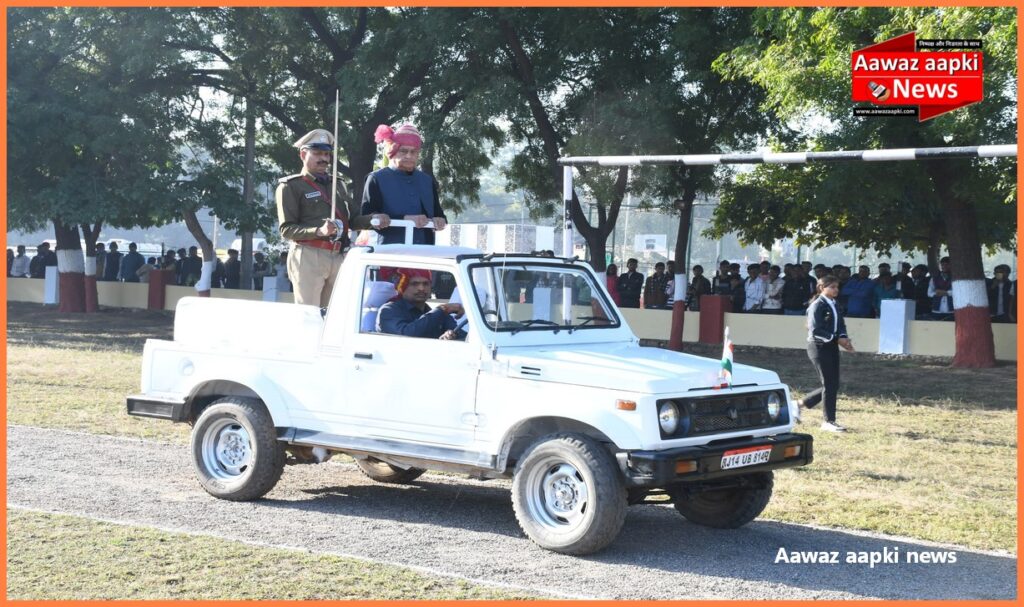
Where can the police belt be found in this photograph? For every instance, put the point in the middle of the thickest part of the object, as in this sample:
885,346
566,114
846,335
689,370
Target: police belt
333,247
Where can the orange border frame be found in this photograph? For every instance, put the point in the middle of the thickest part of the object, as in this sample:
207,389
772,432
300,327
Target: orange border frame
457,4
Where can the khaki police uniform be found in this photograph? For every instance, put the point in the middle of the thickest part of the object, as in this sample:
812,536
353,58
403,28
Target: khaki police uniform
303,203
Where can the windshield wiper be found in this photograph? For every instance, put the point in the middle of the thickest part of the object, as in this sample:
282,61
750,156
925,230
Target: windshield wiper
534,321
586,321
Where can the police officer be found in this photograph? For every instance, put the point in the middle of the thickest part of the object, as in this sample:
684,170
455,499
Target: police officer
826,333
304,214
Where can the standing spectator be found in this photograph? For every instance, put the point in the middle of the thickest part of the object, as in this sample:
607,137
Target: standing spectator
654,288
232,271
631,285
812,283
922,301
940,290
885,288
130,264
169,263
720,282
670,284
773,295
112,263
217,280
794,292
37,267
142,273
860,291
826,332
101,260
904,284
844,277
611,280
284,283
754,289
698,286
737,293
10,262
402,191
260,269
191,268
21,263
179,263
1001,301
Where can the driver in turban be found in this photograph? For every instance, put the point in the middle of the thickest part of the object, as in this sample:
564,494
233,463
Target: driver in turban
409,313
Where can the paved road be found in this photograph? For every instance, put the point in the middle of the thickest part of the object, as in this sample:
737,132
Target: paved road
467,529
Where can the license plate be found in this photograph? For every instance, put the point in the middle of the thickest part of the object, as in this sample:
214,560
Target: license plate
751,456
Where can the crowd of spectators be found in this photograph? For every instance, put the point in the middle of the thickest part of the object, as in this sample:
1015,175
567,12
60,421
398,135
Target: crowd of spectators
114,266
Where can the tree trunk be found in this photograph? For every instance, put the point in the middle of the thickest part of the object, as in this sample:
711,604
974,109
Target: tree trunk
206,245
91,234
245,274
70,267
974,342
685,206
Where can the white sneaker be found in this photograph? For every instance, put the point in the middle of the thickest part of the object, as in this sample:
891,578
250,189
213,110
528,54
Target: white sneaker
832,427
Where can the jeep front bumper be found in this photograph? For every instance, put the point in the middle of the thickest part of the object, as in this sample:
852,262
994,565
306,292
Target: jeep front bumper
704,462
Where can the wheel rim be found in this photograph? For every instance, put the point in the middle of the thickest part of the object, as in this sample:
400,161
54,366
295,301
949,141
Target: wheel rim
227,450
558,497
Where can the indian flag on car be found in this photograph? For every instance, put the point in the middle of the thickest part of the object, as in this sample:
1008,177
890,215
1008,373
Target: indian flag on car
726,373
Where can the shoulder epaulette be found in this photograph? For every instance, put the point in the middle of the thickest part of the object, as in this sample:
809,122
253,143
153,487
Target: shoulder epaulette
289,178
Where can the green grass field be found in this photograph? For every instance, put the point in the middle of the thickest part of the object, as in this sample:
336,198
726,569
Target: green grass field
932,451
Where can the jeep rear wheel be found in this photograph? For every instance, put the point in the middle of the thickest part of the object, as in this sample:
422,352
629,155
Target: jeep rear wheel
235,451
568,495
730,507
383,472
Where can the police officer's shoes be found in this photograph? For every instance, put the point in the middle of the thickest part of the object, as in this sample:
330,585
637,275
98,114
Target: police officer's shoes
832,427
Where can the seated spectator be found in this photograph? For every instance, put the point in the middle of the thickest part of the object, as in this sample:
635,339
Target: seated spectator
1001,302
861,293
885,288
411,316
940,290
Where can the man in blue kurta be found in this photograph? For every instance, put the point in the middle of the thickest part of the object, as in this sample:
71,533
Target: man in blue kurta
410,315
402,191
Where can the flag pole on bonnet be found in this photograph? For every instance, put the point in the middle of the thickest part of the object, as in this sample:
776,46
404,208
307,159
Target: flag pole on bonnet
726,373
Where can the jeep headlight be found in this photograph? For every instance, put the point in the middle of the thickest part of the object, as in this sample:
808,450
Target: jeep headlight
774,406
668,417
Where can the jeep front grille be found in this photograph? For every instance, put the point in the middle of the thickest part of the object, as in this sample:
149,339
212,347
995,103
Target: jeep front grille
718,414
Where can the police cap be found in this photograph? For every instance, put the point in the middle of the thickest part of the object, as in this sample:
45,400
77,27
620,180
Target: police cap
317,139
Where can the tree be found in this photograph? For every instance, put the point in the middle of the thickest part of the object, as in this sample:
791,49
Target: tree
801,58
89,143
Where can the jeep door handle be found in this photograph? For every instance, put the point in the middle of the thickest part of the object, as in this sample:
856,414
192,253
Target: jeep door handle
364,355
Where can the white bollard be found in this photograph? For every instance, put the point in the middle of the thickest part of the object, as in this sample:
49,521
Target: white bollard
894,326
51,286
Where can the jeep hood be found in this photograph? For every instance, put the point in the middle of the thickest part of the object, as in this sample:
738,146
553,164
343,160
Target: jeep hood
626,367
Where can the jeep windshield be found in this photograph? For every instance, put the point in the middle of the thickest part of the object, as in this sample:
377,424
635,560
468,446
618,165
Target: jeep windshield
538,296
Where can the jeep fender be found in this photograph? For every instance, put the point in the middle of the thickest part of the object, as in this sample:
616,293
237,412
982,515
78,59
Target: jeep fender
244,384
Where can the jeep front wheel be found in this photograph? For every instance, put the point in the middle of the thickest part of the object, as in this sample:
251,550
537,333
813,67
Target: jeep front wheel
383,472
729,507
235,451
568,495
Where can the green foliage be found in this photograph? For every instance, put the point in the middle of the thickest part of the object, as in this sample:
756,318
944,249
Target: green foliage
801,60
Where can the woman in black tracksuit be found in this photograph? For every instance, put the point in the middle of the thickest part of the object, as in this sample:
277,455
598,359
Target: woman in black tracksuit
826,332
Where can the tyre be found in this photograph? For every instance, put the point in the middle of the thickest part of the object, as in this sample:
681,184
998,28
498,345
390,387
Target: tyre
730,507
383,472
568,495
235,451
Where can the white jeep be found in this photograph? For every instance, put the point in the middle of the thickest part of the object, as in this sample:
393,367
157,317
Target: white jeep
550,388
